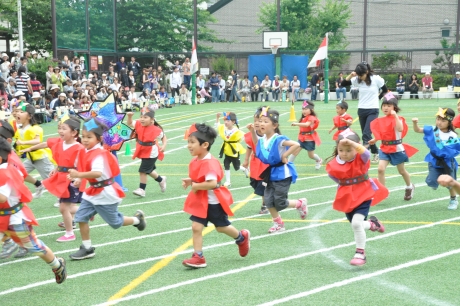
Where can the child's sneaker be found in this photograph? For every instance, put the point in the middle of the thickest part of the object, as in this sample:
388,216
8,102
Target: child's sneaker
227,184
83,253
66,238
139,192
409,193
140,215
358,260
61,272
195,262
22,253
163,184
318,164
375,159
276,228
453,204
57,204
38,192
263,210
303,209
245,245
61,225
376,225
246,172
8,248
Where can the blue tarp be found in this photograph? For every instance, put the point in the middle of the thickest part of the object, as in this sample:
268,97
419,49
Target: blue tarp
295,65
261,65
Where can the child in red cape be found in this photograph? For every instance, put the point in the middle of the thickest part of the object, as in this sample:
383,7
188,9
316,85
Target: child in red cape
208,201
349,166
456,121
343,120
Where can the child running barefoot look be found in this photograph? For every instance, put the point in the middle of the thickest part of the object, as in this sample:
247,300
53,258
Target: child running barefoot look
349,166
391,129
343,120
308,136
272,149
66,152
148,132
99,167
17,219
231,148
208,201
255,165
444,146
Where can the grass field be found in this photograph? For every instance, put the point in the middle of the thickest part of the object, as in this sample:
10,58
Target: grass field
415,262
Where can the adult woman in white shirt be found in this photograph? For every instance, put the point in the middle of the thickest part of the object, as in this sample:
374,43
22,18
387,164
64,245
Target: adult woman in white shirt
371,89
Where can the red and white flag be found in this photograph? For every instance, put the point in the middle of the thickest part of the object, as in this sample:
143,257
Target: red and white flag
194,62
320,54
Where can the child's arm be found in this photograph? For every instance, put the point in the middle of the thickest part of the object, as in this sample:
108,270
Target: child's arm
74,174
130,119
293,146
246,157
32,142
399,125
186,182
217,118
360,149
349,121
255,139
447,181
302,124
164,141
332,128
39,146
417,129
208,185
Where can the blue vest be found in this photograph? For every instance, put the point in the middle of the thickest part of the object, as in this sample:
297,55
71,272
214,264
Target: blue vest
441,148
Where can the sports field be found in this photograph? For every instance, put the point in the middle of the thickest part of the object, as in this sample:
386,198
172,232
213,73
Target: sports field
415,262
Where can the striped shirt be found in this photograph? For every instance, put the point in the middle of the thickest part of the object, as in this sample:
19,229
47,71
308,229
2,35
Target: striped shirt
21,83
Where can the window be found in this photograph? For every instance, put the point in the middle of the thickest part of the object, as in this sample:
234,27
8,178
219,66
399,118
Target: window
445,33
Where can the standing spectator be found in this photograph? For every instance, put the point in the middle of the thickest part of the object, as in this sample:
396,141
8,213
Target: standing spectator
314,83
48,75
339,88
115,74
456,83
36,85
214,82
23,82
34,57
400,85
245,87
427,83
255,88
276,88
221,89
66,61
175,82
295,87
265,85
57,78
186,67
120,64
234,87
124,79
200,81
145,80
177,64
24,62
5,66
161,76
3,96
132,79
153,80
414,86
134,66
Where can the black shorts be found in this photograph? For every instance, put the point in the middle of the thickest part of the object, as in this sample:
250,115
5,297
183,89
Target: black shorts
362,209
147,165
276,194
258,187
74,195
216,215
232,160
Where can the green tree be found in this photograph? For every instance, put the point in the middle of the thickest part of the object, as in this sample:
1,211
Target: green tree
386,61
445,60
308,21
222,65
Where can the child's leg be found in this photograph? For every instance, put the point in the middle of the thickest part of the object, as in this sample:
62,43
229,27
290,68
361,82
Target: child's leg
227,162
197,236
237,166
294,154
383,164
402,170
359,226
67,210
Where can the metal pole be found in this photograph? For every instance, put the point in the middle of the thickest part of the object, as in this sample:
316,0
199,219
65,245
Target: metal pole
115,29
278,15
195,38
21,42
326,74
457,35
88,58
53,27
364,55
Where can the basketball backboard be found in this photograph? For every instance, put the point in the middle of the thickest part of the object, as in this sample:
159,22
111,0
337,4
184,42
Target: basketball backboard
271,38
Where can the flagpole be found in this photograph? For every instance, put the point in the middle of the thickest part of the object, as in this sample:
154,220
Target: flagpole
326,73
194,44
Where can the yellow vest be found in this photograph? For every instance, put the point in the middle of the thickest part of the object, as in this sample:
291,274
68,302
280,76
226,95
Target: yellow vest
30,133
234,140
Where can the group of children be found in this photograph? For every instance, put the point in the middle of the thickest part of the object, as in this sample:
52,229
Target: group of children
69,162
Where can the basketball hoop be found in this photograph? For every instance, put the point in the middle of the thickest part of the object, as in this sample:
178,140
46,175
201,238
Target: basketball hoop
274,48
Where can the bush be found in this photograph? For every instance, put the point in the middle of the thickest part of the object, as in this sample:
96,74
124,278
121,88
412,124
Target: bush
40,67
221,65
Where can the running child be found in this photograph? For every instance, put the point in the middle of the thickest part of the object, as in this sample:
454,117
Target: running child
444,146
308,136
390,130
66,152
208,200
99,167
342,121
255,165
17,219
456,121
273,149
231,148
349,166
148,132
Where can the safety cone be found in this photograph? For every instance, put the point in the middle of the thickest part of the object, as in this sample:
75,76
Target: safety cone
292,114
186,134
127,149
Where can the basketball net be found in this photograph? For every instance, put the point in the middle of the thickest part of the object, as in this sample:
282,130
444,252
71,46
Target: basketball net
274,49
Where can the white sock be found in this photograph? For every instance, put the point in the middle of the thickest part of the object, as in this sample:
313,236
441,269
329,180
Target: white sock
86,244
409,186
316,158
291,158
69,233
358,224
55,264
242,168
227,176
135,220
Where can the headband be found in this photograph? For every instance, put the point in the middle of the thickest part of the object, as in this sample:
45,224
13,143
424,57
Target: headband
307,105
200,135
389,95
92,126
26,107
230,116
347,133
442,113
267,113
72,122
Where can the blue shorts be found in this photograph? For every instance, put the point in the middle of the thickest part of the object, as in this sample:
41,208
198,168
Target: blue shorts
394,158
362,209
74,195
109,213
434,173
258,187
216,215
307,145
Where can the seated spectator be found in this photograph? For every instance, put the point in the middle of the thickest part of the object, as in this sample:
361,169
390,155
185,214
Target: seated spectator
427,83
245,89
102,93
456,83
184,95
400,85
144,98
285,88
37,100
54,91
70,101
339,88
295,87
162,96
255,88
276,85
265,87
76,74
204,95
85,102
132,96
68,86
104,80
354,92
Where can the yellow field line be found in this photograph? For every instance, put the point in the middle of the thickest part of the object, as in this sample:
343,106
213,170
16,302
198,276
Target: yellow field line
185,116
356,119
346,221
165,261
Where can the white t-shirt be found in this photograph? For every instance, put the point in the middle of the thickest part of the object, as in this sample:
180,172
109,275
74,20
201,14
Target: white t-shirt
281,150
212,199
445,136
109,194
368,95
295,84
154,152
13,199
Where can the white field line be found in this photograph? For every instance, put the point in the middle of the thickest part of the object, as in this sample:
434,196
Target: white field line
294,257
217,246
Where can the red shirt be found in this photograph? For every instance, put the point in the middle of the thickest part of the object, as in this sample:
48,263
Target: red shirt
427,81
36,85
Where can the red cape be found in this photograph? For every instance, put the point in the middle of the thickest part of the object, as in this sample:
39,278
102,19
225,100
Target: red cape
146,134
255,165
339,123
310,137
